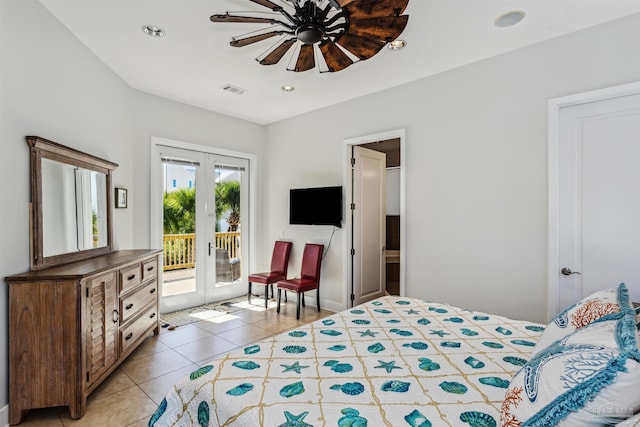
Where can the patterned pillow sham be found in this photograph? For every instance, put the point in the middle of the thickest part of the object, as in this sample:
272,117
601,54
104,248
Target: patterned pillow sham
589,378
630,422
601,305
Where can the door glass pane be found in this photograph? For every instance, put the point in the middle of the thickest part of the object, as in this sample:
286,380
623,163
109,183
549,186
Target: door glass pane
228,224
179,221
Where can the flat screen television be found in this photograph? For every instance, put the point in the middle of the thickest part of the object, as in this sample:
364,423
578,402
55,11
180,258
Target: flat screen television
316,206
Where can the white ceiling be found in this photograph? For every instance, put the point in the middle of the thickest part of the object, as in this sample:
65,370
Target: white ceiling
194,60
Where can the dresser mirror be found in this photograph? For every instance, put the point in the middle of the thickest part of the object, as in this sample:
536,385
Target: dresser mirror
70,204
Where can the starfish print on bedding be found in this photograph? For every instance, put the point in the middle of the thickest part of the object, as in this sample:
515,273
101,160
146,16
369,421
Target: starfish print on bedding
440,333
295,367
295,420
368,333
388,366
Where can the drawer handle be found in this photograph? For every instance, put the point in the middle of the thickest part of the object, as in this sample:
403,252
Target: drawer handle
150,268
129,306
152,290
128,337
133,276
152,316
115,316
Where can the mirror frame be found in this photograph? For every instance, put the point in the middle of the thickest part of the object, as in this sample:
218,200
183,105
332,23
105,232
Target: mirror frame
43,148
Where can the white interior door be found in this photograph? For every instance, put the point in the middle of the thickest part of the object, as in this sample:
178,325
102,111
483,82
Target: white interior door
369,224
598,198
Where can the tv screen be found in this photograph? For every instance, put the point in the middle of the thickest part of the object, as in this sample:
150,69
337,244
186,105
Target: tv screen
316,206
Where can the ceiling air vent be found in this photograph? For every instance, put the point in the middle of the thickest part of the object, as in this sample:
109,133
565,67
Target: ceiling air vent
233,89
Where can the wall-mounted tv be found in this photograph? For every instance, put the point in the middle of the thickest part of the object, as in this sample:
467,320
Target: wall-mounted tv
316,206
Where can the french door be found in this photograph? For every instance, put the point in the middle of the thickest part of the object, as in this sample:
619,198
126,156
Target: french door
205,227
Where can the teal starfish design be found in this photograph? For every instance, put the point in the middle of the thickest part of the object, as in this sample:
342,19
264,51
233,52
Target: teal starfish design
295,420
295,367
388,366
368,333
440,333
412,311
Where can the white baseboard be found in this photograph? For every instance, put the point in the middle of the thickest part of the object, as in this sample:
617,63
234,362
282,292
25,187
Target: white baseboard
4,416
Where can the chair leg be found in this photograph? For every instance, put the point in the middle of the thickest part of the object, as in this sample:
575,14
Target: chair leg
266,296
302,299
249,293
278,308
272,294
298,307
285,296
318,298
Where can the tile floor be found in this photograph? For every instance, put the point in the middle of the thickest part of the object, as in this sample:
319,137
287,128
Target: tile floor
131,393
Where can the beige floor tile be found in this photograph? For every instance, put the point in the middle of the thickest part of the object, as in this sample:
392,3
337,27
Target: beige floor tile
157,364
141,423
48,417
205,348
116,382
118,409
183,335
245,334
150,345
221,323
157,388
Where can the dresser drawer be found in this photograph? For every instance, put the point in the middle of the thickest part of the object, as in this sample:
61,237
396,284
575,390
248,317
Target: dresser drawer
130,277
131,304
131,334
150,268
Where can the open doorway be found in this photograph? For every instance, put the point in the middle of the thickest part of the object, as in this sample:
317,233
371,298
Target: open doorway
391,148
382,257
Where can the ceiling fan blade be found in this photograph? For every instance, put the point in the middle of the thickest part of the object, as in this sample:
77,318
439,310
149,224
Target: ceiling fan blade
234,18
386,28
306,60
360,9
267,3
343,3
276,54
253,39
335,58
362,47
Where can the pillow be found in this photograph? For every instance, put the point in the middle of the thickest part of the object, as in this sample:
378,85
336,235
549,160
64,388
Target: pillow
601,305
588,378
630,422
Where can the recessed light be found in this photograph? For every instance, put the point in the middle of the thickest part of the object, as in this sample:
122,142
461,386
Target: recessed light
508,19
287,88
152,31
397,44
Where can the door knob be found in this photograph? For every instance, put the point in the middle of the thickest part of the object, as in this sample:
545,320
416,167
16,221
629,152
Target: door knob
567,271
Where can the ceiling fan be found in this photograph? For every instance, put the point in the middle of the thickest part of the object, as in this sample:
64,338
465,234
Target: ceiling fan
336,32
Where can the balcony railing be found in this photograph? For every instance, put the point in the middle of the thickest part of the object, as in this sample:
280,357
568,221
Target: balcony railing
180,249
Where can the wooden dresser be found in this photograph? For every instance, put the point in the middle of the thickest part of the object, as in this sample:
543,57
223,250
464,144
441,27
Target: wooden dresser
70,326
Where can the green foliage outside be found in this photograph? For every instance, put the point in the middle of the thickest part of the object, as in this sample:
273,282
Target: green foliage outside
180,208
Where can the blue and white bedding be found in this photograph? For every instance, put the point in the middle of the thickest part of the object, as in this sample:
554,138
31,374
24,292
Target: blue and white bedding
394,361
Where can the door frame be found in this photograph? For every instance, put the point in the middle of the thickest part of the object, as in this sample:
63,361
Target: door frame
155,198
554,107
346,179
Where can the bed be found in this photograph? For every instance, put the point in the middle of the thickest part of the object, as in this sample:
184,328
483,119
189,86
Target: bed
394,361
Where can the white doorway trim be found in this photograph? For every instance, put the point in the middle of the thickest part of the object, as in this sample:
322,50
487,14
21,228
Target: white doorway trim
346,179
155,198
554,107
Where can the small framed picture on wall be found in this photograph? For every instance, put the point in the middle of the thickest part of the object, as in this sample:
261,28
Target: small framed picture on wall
121,197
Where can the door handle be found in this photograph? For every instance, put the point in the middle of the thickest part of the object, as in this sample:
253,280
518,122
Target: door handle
210,248
567,271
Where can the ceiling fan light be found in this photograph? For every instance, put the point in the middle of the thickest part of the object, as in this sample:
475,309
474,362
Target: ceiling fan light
152,31
397,44
287,88
310,33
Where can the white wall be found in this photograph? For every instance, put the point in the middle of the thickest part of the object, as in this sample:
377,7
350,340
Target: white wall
476,168
52,86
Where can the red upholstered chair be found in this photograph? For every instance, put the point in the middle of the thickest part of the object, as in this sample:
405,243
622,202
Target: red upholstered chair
279,266
309,276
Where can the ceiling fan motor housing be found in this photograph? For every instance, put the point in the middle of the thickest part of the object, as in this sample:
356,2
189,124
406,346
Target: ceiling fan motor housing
310,33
